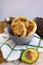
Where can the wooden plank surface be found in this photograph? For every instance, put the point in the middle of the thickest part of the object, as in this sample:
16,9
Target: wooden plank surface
17,62
3,25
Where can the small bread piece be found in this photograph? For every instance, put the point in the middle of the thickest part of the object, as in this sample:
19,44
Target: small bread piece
32,28
18,29
22,19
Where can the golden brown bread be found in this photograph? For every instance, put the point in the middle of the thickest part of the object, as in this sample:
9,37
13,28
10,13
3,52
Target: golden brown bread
29,25
18,29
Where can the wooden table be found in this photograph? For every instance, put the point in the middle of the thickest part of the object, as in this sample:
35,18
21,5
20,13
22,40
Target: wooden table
17,62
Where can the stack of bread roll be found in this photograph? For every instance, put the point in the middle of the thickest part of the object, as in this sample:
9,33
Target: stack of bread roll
22,27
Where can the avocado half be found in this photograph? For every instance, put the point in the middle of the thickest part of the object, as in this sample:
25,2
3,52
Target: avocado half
30,55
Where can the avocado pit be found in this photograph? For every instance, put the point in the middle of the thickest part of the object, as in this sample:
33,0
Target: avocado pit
30,55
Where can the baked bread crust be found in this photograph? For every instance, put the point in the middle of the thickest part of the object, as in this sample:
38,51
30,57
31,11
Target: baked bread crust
29,26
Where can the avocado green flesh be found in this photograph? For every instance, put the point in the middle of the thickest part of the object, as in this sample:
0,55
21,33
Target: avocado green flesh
23,57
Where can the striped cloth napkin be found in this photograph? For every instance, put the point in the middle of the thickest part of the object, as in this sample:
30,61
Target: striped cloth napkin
11,51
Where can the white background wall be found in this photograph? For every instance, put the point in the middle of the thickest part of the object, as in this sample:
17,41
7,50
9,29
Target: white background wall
29,8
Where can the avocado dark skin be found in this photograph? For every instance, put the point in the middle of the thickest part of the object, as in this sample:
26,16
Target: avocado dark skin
39,22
